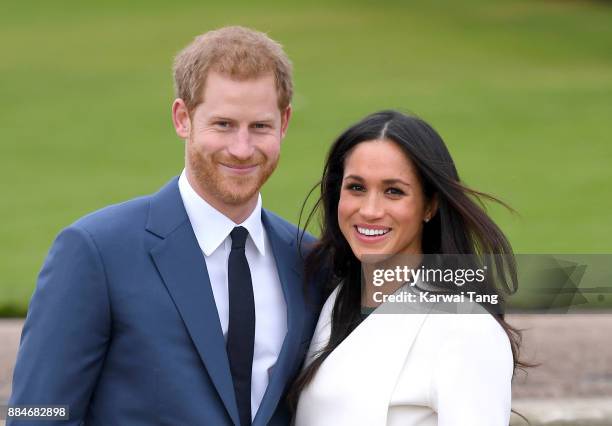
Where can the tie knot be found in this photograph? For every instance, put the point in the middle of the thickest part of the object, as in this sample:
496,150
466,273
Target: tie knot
239,235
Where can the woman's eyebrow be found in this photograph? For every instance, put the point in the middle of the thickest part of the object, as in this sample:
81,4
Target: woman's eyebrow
394,181
385,181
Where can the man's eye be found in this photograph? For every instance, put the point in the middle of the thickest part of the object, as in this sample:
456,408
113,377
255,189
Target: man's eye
261,126
223,124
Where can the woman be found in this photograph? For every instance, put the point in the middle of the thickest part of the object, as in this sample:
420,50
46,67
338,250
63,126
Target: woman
390,187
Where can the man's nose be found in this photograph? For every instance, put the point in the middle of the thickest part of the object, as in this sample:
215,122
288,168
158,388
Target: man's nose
241,146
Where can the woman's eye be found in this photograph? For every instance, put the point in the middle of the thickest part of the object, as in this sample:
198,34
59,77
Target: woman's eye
395,191
354,187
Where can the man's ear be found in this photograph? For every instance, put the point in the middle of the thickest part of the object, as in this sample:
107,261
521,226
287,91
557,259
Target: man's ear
181,119
285,117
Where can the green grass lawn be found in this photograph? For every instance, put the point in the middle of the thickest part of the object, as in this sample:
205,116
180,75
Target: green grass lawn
520,90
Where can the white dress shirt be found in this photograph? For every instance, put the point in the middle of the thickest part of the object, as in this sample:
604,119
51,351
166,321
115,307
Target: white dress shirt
212,230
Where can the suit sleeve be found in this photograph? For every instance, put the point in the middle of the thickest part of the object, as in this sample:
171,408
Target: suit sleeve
472,378
67,329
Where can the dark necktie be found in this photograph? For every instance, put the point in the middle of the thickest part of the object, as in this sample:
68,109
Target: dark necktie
241,327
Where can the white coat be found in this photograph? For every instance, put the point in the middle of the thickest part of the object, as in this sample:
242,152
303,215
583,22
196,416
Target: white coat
411,369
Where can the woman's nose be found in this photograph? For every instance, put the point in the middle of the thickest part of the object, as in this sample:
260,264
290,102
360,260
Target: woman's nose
372,208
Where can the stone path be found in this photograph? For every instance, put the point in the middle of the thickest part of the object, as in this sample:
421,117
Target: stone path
571,386
10,331
575,353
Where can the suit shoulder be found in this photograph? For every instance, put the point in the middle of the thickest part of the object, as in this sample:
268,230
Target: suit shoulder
115,218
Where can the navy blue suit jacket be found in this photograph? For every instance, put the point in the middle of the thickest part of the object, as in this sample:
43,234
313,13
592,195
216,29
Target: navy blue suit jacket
123,325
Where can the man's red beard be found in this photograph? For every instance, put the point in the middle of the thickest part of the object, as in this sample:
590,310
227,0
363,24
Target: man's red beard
229,189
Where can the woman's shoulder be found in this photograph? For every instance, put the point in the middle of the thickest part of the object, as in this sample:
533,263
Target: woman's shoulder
462,337
323,328
480,326
328,307
331,299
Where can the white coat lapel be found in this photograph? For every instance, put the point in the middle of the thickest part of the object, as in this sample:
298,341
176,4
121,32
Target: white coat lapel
370,358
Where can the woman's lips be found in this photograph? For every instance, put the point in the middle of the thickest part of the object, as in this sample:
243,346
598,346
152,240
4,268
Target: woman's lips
361,232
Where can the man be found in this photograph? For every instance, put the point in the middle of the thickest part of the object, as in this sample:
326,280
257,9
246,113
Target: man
184,307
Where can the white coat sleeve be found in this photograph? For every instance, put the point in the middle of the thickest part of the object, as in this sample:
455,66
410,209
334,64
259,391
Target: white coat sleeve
471,382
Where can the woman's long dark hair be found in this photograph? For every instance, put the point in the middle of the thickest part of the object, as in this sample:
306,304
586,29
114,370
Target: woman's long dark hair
459,226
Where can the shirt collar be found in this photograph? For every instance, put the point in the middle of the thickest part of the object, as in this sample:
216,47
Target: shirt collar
211,227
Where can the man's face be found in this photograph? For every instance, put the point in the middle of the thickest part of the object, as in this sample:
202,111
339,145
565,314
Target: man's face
233,139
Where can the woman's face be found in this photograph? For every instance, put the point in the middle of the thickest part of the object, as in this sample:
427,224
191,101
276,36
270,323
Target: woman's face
382,207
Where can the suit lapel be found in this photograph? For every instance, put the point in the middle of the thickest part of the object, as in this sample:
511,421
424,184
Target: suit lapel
289,272
181,264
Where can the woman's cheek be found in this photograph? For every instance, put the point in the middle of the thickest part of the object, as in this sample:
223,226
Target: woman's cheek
345,207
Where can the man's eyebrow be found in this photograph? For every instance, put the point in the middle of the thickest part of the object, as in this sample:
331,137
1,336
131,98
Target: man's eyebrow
220,118
265,119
